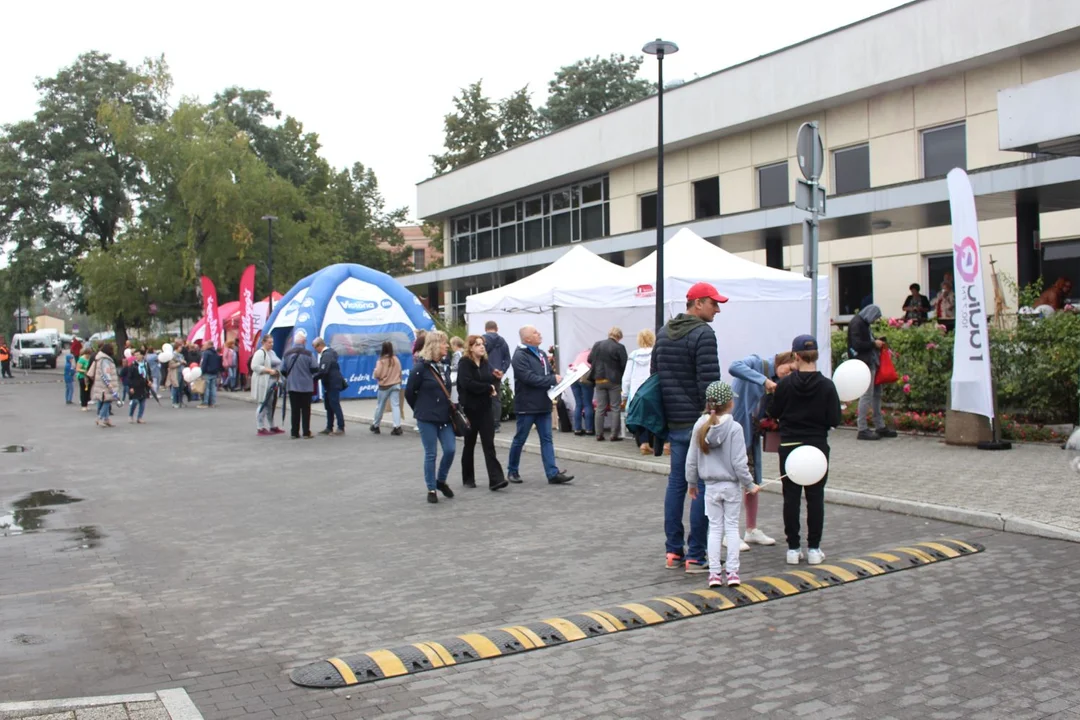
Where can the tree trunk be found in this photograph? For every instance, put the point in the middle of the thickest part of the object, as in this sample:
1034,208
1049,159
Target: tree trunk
120,329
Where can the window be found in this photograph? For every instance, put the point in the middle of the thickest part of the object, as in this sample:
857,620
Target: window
593,192
592,222
648,211
1061,260
508,240
851,169
560,229
853,283
943,149
773,185
707,198
418,258
485,245
937,267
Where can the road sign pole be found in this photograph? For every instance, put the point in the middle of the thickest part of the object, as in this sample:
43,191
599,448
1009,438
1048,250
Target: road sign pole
811,157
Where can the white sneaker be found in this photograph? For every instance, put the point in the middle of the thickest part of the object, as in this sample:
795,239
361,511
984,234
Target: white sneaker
757,537
743,547
794,556
815,556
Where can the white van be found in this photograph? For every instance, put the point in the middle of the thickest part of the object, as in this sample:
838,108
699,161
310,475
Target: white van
32,350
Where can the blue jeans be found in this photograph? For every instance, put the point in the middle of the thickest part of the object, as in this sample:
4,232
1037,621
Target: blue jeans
332,403
583,409
675,500
104,410
431,436
141,404
177,395
210,397
392,395
542,421
69,391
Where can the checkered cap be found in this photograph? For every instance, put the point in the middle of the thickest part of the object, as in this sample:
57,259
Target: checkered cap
719,393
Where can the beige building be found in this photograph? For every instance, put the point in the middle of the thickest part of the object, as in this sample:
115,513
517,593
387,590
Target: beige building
48,322
419,244
991,86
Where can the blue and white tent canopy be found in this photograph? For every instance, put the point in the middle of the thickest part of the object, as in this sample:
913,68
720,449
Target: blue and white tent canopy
354,309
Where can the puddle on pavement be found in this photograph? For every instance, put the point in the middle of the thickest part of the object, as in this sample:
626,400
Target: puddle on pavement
28,515
14,448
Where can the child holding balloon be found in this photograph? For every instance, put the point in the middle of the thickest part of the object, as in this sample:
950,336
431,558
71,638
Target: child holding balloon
718,456
806,406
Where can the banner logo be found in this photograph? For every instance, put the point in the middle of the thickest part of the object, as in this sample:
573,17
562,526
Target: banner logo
353,305
967,259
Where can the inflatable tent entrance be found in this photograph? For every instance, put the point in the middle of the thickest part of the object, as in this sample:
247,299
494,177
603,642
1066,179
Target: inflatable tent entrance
354,309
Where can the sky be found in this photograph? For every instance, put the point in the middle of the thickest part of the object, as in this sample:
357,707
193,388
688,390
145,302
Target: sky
375,80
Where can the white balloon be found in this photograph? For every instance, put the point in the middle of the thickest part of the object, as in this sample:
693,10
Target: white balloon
852,379
187,375
196,373
167,348
127,352
165,356
806,465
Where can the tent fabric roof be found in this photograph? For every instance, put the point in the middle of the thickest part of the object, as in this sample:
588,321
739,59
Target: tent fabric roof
572,279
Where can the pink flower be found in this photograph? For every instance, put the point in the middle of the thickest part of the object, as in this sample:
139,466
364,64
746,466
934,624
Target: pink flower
907,378
931,346
907,388
942,328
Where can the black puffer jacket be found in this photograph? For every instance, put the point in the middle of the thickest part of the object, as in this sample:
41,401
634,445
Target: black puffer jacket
608,361
686,359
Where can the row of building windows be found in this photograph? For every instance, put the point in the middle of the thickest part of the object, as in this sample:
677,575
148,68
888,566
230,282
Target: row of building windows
943,148
560,217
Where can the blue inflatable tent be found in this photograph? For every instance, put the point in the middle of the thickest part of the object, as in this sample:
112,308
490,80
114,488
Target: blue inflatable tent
354,309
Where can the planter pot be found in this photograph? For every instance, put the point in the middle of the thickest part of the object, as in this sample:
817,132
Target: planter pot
963,428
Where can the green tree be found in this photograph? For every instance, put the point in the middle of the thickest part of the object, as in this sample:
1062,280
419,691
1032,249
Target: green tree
593,86
471,132
519,121
362,222
66,188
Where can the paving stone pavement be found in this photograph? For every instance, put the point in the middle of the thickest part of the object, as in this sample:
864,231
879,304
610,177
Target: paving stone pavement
220,560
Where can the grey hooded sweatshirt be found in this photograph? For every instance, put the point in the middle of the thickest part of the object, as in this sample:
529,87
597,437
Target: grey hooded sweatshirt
726,459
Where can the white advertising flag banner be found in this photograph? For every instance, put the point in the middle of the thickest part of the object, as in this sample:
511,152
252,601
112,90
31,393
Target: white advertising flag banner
971,388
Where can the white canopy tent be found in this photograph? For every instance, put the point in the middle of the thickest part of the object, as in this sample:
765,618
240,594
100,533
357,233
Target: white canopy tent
766,309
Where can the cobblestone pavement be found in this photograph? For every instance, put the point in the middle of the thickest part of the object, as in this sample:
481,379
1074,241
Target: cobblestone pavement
1031,481
204,557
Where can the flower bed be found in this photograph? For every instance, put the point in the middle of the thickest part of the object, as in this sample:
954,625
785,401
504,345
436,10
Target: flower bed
933,423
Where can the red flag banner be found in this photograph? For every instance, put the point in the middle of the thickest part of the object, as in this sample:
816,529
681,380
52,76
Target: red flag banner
210,311
247,317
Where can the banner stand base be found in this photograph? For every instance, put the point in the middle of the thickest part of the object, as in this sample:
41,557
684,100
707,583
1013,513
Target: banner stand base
995,445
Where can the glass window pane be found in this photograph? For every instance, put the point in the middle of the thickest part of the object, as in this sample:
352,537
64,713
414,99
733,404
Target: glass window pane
707,198
560,229
851,169
483,220
773,185
533,207
484,245
560,200
592,222
534,234
943,150
507,215
575,194
853,284
937,268
593,192
575,226
508,240
648,211
462,225
607,219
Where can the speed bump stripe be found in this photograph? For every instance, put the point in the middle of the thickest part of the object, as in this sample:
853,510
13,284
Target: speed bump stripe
431,655
943,549
648,615
567,629
346,672
388,662
410,659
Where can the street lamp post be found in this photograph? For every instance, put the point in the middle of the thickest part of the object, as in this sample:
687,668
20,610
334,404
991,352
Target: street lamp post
660,48
270,260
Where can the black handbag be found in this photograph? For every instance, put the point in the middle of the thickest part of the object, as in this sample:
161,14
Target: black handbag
458,421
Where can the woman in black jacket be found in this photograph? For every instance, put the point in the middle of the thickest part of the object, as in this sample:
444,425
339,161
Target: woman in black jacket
427,393
477,384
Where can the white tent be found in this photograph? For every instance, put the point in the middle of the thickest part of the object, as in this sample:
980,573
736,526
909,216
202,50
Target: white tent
766,309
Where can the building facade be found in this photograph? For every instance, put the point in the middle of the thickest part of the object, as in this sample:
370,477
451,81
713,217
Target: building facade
900,99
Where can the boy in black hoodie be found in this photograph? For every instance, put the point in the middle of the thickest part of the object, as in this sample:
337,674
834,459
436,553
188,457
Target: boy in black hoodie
806,406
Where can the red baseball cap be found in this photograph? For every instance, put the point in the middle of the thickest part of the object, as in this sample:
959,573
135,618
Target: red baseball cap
703,290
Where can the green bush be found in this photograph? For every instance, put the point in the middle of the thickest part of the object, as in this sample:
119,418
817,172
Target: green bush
506,397
1035,366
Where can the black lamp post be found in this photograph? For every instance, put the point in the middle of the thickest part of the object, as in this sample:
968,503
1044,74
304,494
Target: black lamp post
270,260
660,48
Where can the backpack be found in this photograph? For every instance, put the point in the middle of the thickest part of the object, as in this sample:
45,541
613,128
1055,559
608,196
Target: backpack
91,373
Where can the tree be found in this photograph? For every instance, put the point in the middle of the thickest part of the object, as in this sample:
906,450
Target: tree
67,188
472,132
593,86
362,222
518,119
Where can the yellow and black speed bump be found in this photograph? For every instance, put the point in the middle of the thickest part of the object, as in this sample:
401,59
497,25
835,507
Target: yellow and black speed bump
410,659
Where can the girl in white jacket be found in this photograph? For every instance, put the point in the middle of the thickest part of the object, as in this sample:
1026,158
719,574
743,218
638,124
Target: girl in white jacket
636,372
718,456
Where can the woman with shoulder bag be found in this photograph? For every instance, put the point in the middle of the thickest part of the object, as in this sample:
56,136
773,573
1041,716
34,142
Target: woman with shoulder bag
428,394
388,374
477,384
265,384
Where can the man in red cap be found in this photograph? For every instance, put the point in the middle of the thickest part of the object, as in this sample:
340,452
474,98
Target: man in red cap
686,360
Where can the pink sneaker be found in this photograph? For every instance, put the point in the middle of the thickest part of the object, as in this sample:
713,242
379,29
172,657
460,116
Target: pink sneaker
715,580
733,579
673,561
264,431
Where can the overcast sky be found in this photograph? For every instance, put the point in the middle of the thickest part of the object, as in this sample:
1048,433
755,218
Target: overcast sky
374,80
